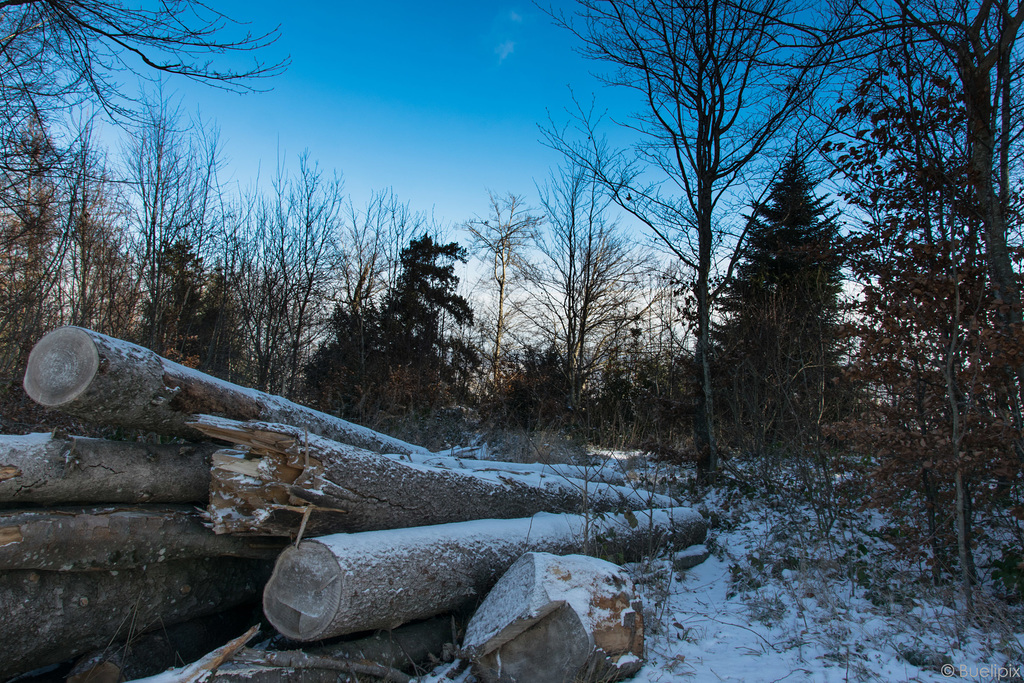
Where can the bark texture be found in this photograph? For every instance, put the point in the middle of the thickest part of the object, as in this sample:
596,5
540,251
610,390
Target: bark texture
101,379
293,478
50,470
100,538
52,616
346,583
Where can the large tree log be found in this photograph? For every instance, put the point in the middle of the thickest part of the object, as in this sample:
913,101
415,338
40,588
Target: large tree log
49,617
110,381
50,470
347,583
294,478
100,538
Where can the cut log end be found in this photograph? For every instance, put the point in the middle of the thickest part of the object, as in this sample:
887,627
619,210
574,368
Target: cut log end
61,367
304,593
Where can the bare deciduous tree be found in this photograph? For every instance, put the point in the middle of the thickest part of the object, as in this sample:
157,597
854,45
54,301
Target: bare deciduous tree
501,239
718,83
170,169
56,52
587,285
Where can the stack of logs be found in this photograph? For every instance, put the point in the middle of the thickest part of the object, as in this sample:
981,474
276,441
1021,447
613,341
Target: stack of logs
103,540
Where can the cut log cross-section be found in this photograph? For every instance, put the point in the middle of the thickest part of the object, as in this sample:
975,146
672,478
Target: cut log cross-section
346,489
346,583
101,379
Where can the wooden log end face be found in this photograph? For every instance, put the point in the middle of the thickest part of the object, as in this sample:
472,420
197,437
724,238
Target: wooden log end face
302,597
61,366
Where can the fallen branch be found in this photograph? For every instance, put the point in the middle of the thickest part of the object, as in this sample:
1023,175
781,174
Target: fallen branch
203,668
297,659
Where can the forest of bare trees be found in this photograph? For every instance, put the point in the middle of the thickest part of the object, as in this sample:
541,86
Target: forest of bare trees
811,252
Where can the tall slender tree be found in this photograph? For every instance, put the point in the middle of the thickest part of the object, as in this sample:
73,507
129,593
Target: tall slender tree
502,239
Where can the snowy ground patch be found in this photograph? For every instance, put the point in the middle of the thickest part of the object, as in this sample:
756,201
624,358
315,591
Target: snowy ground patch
780,599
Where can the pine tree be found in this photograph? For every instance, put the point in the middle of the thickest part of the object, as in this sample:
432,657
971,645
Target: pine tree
788,247
404,353
777,343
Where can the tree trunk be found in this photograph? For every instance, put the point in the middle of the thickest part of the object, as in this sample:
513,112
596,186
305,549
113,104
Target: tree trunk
98,378
704,417
294,479
49,470
348,583
105,538
52,616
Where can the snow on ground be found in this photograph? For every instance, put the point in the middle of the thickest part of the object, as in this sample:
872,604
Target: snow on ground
778,600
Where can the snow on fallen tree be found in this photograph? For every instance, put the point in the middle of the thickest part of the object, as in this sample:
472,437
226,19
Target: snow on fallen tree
110,381
46,469
82,539
604,472
346,583
290,479
52,616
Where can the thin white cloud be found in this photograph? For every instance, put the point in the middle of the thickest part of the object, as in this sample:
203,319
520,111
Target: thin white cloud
515,17
504,50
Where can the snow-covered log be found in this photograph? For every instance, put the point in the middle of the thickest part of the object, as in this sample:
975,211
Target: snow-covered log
346,583
49,617
110,381
94,538
605,472
554,618
51,470
347,489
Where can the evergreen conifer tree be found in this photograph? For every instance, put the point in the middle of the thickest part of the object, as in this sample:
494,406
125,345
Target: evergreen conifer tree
777,341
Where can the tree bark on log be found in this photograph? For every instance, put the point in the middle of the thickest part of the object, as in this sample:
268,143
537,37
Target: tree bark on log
101,379
295,478
104,538
52,616
347,583
51,470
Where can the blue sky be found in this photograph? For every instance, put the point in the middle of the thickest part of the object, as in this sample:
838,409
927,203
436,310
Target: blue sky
438,100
